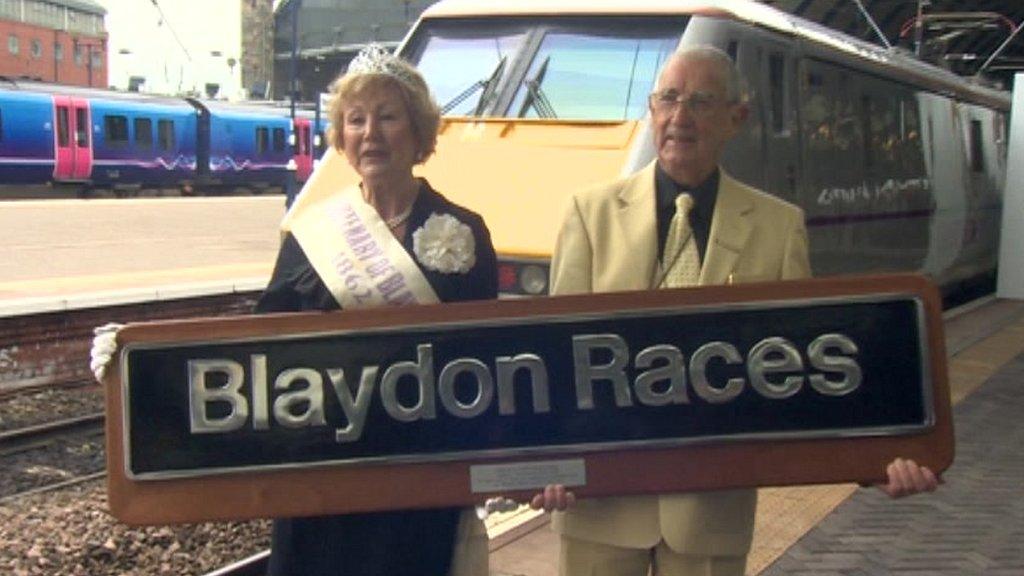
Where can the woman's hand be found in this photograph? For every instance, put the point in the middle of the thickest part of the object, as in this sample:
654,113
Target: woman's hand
554,497
907,478
104,344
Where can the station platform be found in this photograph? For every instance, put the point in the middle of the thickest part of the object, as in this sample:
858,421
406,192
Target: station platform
73,254
973,525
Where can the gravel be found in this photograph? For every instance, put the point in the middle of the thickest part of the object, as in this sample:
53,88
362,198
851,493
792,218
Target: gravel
49,405
70,532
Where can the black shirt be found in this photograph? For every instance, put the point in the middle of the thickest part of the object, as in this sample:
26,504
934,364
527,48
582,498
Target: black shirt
704,196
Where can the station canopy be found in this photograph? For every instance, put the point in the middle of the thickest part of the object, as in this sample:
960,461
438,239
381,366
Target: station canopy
966,36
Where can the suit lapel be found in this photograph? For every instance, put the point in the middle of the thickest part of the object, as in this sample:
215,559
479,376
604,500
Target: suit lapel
731,225
638,225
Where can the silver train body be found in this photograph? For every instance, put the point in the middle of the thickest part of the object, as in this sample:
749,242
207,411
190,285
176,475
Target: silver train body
899,165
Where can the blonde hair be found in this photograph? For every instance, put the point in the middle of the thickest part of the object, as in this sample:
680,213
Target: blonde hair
424,114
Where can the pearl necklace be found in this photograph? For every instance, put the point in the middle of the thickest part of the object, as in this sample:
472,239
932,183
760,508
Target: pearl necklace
396,221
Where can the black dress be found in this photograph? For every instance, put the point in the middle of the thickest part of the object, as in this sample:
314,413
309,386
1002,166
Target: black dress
416,542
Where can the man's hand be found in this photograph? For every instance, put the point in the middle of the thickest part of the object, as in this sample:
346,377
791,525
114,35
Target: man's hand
104,344
554,497
907,478
496,504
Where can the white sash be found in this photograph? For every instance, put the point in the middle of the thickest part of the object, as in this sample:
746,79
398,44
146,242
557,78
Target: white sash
355,254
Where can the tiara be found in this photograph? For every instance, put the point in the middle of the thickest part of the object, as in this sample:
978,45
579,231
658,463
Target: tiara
375,59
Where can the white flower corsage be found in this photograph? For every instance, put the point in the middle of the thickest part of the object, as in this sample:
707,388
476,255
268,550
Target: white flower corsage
444,244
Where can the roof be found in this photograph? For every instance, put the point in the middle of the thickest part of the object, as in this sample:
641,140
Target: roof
82,6
959,35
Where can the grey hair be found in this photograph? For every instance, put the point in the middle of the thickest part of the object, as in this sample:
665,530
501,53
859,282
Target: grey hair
735,86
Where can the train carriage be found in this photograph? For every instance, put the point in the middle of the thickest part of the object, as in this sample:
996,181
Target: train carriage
141,143
242,145
27,138
898,165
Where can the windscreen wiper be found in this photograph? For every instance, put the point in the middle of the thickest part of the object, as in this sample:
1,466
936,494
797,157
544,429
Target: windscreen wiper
489,86
535,96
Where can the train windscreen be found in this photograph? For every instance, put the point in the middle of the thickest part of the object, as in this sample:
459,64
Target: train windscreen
565,68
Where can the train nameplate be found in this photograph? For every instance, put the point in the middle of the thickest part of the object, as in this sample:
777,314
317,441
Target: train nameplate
508,396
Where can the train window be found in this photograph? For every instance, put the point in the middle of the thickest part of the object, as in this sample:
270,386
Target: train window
561,82
63,125
143,133
81,127
777,91
977,154
278,139
115,129
262,140
165,134
463,63
867,114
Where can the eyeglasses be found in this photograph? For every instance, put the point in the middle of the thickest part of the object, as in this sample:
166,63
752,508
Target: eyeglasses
699,104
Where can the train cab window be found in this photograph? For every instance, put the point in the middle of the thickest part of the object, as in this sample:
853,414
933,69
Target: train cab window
115,130
278,139
143,133
561,82
465,64
977,154
81,127
165,134
262,140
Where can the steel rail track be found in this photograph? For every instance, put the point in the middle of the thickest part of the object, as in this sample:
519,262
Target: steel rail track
21,439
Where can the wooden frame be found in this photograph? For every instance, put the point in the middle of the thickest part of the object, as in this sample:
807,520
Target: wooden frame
374,486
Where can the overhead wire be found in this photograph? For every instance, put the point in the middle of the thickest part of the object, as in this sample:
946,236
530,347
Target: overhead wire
163,19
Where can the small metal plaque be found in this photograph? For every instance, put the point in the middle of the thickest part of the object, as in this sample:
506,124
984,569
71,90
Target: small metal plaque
490,478
701,388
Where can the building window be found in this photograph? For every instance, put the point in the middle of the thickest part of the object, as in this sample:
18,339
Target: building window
37,49
13,46
79,55
97,60
58,51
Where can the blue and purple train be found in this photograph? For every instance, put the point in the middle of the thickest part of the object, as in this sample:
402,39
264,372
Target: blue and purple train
87,139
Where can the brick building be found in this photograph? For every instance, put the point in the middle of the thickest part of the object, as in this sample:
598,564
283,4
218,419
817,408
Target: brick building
60,41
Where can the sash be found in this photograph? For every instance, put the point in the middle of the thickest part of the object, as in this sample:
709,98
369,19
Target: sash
354,253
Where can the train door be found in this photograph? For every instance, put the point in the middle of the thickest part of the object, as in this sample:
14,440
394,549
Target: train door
777,86
303,149
72,139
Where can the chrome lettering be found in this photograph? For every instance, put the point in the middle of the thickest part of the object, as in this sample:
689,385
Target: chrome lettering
614,371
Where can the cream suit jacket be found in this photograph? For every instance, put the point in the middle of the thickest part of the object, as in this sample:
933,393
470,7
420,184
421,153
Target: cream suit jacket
608,243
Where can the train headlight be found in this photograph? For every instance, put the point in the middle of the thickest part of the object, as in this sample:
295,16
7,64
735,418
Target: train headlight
533,279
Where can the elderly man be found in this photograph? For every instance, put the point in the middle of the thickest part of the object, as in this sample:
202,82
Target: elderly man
680,221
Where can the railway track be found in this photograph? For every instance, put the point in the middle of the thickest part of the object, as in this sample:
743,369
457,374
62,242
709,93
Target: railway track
136,548
51,456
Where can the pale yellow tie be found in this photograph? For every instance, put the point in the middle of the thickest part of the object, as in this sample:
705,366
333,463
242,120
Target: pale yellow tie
681,256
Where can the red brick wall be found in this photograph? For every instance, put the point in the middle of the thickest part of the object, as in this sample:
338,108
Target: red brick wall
45,67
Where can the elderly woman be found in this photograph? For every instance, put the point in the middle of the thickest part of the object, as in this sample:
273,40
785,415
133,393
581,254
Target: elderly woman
425,249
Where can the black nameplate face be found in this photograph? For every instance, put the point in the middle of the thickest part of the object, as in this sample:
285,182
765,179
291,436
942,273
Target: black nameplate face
824,368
